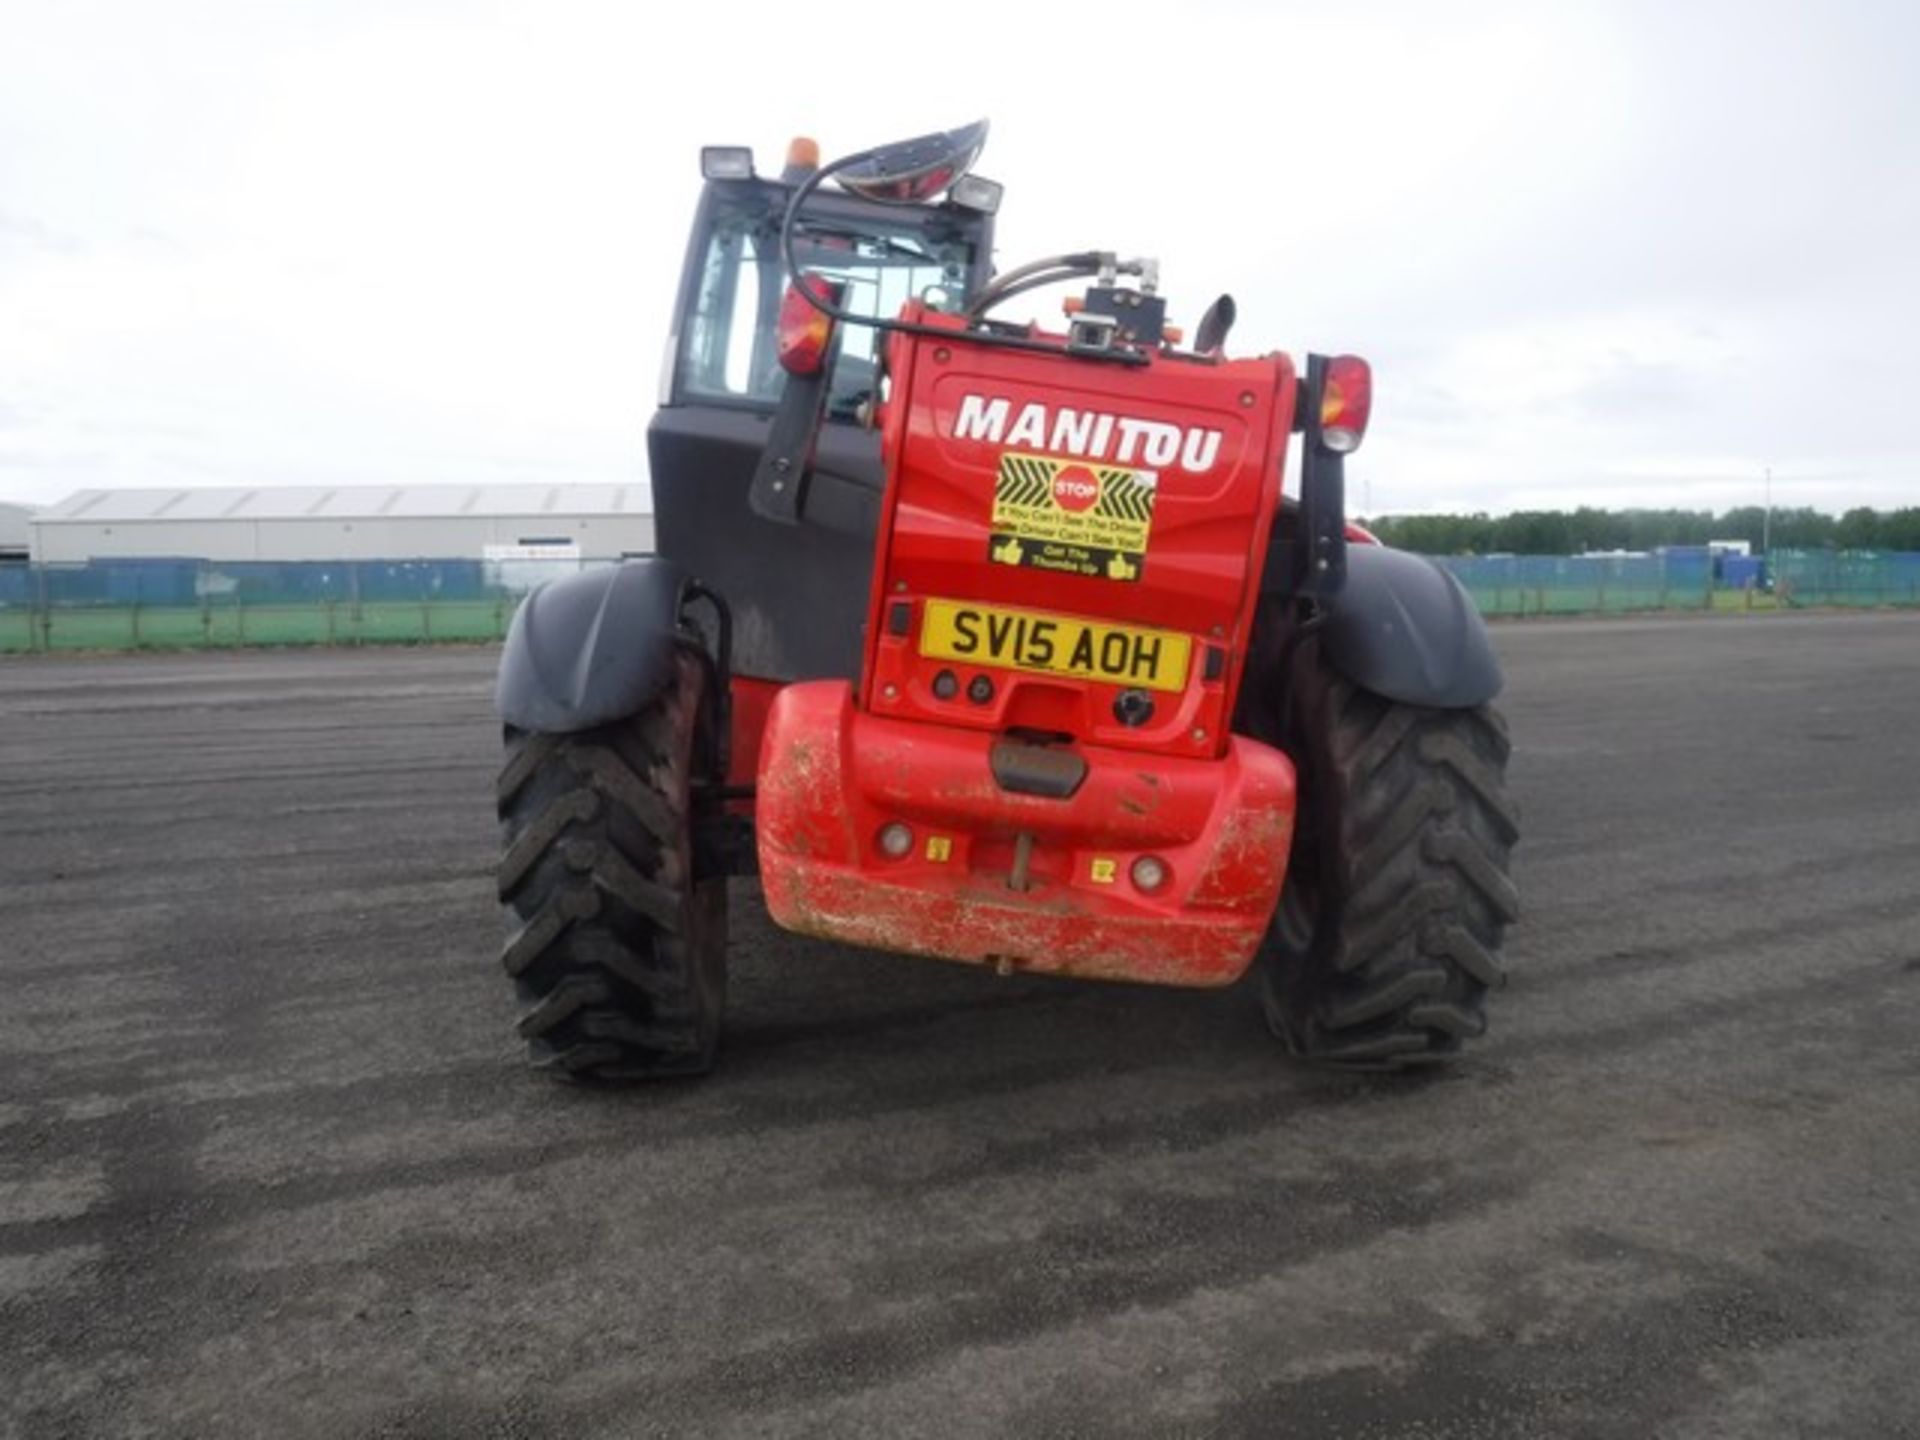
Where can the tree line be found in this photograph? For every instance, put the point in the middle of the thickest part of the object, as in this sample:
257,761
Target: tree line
1573,532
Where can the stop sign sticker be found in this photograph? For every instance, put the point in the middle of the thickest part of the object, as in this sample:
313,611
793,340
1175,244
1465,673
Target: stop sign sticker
1075,488
1072,517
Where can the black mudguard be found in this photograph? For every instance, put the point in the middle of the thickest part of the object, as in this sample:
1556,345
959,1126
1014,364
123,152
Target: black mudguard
1405,629
593,647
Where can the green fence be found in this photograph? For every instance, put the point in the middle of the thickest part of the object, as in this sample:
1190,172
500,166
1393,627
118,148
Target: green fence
1846,577
1683,579
195,604
190,604
140,627
1584,584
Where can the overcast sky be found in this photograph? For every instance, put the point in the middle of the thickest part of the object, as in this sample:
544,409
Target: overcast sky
1607,254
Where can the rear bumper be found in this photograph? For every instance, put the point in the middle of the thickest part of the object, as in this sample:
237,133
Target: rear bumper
831,777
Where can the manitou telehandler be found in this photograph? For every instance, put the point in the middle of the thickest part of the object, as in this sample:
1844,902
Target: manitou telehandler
993,642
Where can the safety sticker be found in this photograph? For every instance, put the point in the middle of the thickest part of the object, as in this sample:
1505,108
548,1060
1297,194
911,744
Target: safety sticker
1069,516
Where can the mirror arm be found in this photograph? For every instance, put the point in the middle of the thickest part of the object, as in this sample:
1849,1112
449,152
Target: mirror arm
780,480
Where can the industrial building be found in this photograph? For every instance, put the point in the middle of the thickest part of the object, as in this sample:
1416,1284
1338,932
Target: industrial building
16,535
347,522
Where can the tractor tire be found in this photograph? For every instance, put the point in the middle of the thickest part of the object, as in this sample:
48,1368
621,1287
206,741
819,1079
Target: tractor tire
1388,932
618,948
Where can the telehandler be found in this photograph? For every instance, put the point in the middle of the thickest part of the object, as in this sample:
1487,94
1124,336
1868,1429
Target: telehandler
998,643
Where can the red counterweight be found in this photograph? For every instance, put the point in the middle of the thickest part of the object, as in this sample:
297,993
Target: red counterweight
1037,767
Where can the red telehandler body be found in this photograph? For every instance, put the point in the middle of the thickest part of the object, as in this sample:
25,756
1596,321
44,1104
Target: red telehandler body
994,643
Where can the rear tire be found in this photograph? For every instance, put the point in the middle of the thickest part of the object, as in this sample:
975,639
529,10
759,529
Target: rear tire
1388,933
618,948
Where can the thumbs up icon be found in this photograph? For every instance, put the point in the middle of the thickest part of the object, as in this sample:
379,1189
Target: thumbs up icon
1118,568
1009,552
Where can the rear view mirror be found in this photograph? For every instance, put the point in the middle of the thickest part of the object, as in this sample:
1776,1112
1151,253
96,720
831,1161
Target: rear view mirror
915,170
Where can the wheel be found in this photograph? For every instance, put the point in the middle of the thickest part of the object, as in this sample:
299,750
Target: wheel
1388,931
618,948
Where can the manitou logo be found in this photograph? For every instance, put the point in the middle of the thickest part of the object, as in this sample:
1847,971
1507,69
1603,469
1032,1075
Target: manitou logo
1086,434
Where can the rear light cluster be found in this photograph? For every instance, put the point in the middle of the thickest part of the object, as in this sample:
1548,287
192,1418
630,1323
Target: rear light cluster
1346,401
805,332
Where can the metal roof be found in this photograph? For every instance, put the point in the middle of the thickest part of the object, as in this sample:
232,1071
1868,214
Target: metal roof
346,502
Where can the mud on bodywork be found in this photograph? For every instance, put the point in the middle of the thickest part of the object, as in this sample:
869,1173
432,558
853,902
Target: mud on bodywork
832,778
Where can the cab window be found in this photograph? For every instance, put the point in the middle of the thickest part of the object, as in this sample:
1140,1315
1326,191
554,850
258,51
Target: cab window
727,352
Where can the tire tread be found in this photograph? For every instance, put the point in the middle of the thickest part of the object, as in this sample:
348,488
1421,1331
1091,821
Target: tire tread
1405,839
616,947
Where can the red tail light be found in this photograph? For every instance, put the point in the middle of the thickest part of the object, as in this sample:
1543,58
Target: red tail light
806,333
1345,402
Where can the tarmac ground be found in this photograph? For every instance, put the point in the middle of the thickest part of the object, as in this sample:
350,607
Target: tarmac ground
271,1164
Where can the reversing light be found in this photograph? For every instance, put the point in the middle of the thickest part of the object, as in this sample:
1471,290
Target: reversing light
726,162
1346,400
805,332
896,840
976,192
1149,872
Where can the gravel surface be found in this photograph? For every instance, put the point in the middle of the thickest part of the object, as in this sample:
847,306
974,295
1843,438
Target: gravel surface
270,1163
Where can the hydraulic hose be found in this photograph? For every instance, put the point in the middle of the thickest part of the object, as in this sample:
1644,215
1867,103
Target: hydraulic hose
1011,282
833,311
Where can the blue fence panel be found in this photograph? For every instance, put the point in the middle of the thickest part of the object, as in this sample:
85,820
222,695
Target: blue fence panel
1583,584
1847,577
168,601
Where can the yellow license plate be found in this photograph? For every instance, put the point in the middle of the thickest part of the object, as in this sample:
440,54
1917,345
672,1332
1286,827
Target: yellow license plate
1054,645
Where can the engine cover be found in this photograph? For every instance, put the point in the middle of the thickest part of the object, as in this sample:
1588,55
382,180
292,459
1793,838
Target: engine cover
1071,546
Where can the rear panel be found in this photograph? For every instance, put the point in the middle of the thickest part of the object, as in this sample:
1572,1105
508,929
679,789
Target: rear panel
1058,531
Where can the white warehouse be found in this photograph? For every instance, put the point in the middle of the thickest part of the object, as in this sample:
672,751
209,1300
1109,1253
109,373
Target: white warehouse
346,522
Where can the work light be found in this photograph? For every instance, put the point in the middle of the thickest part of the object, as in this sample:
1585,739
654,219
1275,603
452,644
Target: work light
726,162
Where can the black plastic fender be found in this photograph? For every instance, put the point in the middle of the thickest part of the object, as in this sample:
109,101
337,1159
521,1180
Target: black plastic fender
592,648
1405,629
